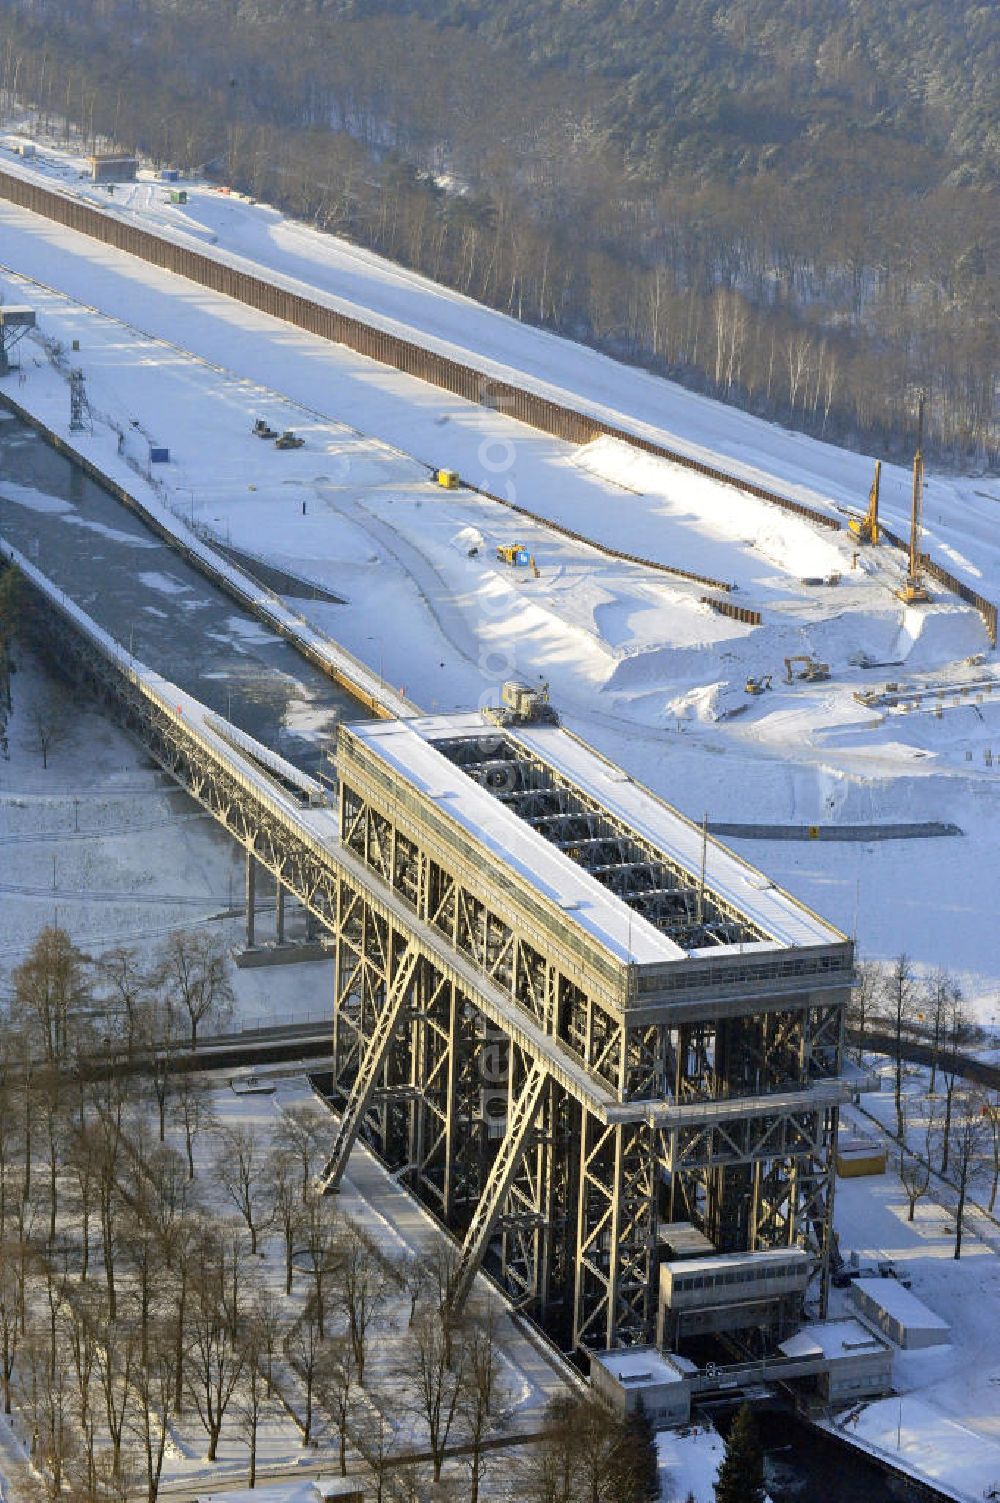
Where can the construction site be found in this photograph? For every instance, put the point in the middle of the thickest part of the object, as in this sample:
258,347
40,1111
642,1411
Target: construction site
452,725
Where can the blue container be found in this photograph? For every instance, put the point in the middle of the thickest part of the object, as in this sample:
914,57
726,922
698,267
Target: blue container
159,456
169,175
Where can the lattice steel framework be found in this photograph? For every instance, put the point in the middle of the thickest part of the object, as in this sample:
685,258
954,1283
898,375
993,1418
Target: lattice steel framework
549,1106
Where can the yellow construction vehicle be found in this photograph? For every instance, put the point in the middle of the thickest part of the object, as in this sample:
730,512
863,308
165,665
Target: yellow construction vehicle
289,440
514,554
758,685
914,592
865,528
813,671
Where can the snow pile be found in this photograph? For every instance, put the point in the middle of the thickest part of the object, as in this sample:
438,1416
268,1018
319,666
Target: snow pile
931,635
791,542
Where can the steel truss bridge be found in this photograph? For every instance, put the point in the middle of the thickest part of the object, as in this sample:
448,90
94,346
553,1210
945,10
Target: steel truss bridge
552,1085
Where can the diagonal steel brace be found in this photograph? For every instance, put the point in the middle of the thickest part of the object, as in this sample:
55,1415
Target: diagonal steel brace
495,1190
371,1066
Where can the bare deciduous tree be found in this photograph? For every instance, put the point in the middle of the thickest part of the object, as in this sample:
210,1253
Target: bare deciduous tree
991,1116
215,1356
303,1349
899,1000
363,1283
193,1111
195,969
968,1138
240,1166
914,1168
437,1383
335,1385
318,1233
483,1395
48,726
287,1204
296,1135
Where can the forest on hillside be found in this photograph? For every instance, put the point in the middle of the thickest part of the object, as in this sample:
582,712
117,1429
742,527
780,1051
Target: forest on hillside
790,204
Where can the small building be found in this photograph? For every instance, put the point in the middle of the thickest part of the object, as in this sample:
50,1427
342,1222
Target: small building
905,1319
731,1292
857,1156
856,1364
642,1375
113,168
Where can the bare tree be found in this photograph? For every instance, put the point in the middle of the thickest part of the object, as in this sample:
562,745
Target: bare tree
153,1382
288,1208
363,1282
438,1383
116,1355
216,1357
303,1350
914,1169
335,1385
192,1110
417,1279
125,988
956,1028
899,996
48,727
991,1116
441,1264
319,1239
253,1386
968,1139
483,1396
297,1136
240,1168
194,968
50,991
589,1454
937,1004
11,1305
45,1394
865,994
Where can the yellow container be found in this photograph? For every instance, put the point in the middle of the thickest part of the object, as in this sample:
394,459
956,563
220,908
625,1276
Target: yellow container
448,478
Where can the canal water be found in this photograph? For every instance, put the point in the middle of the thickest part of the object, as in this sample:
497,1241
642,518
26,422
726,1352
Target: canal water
151,601
802,1465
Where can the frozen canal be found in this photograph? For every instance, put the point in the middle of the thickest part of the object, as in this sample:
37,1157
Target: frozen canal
153,602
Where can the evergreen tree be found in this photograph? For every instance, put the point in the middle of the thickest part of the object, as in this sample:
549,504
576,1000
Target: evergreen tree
741,1475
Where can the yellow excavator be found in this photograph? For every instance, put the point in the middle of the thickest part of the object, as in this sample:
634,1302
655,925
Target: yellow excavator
865,528
813,671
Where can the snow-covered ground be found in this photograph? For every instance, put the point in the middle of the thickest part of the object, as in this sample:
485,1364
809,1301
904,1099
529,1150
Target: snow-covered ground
944,1422
636,663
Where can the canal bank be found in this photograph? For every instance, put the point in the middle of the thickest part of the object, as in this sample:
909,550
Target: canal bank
371,695
161,604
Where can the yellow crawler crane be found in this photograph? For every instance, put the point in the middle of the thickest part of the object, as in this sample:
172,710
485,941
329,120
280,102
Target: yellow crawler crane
914,591
865,528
